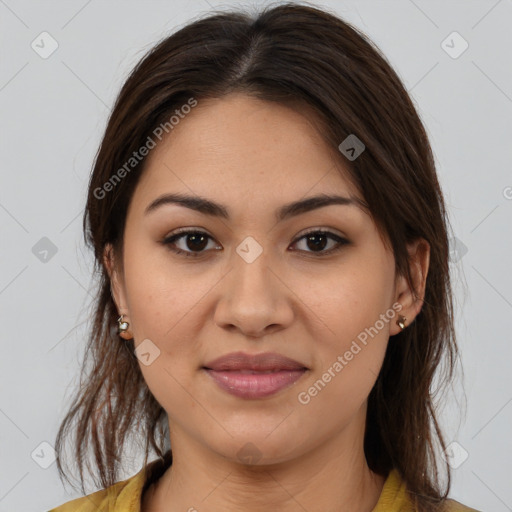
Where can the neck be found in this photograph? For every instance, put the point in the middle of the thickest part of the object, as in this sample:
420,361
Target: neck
332,478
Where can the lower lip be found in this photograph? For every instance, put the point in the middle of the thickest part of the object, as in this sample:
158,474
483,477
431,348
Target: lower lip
254,385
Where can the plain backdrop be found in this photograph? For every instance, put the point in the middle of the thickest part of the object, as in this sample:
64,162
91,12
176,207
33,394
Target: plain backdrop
53,113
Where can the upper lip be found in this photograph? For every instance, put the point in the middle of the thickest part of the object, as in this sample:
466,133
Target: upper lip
262,362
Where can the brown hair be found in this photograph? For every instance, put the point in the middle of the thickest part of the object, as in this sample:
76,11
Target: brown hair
307,58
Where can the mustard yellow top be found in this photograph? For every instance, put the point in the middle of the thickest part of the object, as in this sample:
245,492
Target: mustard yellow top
125,496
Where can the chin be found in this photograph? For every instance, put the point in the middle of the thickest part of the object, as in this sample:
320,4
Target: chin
258,449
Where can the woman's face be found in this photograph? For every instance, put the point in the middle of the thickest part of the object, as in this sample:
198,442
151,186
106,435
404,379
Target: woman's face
254,283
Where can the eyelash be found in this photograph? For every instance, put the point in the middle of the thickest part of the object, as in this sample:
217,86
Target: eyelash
170,240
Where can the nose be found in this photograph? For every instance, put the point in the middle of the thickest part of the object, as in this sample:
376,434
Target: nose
254,298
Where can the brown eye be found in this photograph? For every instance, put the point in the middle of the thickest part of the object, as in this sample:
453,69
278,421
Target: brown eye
193,242
316,241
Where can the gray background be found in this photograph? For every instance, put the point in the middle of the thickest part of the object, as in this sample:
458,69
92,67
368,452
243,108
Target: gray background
53,112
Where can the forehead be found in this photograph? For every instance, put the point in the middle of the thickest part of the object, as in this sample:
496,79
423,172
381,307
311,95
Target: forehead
245,149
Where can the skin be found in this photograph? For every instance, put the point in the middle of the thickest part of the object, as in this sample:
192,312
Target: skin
254,157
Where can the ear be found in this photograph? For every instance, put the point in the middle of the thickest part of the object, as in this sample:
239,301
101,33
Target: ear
412,300
116,280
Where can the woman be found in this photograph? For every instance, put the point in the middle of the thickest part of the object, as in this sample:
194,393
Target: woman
274,294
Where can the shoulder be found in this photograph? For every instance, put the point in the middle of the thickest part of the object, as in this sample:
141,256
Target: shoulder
125,494
455,506
395,496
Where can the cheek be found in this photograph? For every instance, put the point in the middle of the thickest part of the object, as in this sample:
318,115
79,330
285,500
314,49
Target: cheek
348,364
350,299
159,296
161,305
354,326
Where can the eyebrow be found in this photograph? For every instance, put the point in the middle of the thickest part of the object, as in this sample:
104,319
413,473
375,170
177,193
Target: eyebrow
208,207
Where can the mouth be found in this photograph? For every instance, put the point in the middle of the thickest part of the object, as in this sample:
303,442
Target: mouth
251,384
254,376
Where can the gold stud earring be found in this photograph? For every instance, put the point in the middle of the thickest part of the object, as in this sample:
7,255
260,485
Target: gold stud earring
401,322
122,328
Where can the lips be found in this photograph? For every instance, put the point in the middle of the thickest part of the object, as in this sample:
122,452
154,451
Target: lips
265,362
254,376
